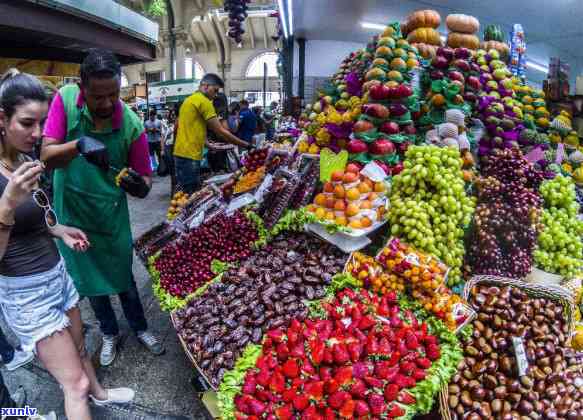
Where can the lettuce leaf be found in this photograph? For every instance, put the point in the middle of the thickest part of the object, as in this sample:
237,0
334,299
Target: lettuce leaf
233,381
168,302
261,230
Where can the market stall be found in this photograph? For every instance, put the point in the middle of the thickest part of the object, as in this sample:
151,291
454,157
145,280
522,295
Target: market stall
419,247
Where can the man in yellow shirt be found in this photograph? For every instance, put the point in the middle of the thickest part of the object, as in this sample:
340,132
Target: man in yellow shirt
196,114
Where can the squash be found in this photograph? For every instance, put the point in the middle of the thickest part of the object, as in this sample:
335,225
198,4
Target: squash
501,47
493,33
423,19
425,36
462,23
457,40
426,50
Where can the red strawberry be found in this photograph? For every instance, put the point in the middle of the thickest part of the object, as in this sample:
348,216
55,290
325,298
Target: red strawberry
344,375
284,412
311,413
292,338
396,322
288,395
373,382
262,395
337,399
401,381
394,359
341,355
391,392
432,352
419,374
267,345
300,402
410,357
356,314
316,351
250,384
294,325
314,390
411,341
263,378
325,373
291,369
430,339
395,411
277,383
358,389
355,350
366,322
406,398
392,373
385,347
423,363
256,407
276,335
332,386
297,350
262,363
359,335
361,408
372,345
377,404
347,409
282,351
328,355
407,368
329,414
360,370
242,403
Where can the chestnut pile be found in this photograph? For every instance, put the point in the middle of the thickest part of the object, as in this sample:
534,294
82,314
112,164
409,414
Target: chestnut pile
488,385
266,291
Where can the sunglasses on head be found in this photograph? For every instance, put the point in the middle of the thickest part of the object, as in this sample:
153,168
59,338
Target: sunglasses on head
41,200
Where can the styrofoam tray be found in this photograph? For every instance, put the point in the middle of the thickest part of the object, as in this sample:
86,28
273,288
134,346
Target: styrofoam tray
346,243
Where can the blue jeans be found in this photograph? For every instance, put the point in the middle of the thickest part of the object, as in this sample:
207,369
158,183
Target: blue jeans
6,349
132,309
187,174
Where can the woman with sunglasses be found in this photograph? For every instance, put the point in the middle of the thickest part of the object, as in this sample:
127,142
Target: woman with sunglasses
37,296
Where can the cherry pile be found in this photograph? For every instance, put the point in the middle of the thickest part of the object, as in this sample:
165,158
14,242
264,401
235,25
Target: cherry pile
185,265
504,234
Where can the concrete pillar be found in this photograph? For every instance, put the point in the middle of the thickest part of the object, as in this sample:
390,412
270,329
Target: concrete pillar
225,73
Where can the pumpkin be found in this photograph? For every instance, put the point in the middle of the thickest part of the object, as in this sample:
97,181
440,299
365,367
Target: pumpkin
423,19
424,36
457,40
501,47
462,23
426,50
493,33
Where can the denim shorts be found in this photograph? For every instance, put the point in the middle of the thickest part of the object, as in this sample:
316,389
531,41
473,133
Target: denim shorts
187,174
35,306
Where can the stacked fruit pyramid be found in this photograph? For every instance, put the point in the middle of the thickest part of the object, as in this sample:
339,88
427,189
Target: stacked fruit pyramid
494,39
462,31
420,27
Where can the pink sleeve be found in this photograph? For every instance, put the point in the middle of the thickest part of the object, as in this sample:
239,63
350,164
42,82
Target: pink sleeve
139,159
56,124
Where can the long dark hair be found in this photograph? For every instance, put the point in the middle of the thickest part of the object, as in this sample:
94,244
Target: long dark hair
18,88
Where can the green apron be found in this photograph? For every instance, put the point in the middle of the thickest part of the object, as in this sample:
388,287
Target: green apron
88,198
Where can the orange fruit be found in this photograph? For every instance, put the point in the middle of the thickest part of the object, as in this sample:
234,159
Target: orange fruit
353,194
312,208
352,210
337,176
349,178
320,213
330,215
339,191
328,187
355,224
364,188
365,205
320,200
339,205
372,196
341,220
379,187
352,168
330,202
365,222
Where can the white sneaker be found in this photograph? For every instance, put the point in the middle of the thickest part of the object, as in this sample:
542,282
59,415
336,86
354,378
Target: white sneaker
48,416
151,343
115,396
21,358
108,349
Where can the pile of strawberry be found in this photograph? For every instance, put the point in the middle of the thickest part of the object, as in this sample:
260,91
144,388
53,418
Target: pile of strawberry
360,362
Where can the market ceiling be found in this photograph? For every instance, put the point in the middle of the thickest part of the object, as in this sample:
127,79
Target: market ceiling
553,28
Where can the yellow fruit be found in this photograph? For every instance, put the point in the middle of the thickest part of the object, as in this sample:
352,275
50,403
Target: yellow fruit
372,196
365,205
320,200
352,210
320,213
355,224
330,215
379,187
337,176
328,187
339,205
349,178
312,208
341,221
330,202
366,222
339,191
353,194
364,188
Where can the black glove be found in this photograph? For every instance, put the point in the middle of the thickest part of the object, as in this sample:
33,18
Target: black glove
134,184
94,151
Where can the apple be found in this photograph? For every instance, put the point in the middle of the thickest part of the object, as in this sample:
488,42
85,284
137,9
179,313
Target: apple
381,147
390,127
437,75
356,146
507,84
405,91
459,84
456,75
474,83
470,96
463,65
396,169
446,53
487,77
409,129
475,67
403,147
462,53
440,62
378,92
354,167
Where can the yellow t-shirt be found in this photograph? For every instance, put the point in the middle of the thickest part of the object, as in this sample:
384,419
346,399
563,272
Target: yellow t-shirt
194,113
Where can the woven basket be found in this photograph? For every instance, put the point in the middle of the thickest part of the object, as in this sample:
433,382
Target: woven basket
555,293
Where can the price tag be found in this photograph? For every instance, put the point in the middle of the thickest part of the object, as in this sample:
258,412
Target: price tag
520,354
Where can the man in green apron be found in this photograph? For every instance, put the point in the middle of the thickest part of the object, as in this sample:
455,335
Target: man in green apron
89,135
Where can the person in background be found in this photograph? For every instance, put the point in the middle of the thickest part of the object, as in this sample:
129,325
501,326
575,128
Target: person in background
269,120
233,120
217,155
247,122
153,128
258,111
196,115
88,133
37,296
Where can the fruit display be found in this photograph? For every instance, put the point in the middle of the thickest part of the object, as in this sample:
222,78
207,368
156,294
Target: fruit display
350,200
279,197
360,367
429,205
255,159
177,203
154,240
494,39
369,273
560,250
249,180
185,265
423,277
504,231
462,31
266,291
495,380
420,27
